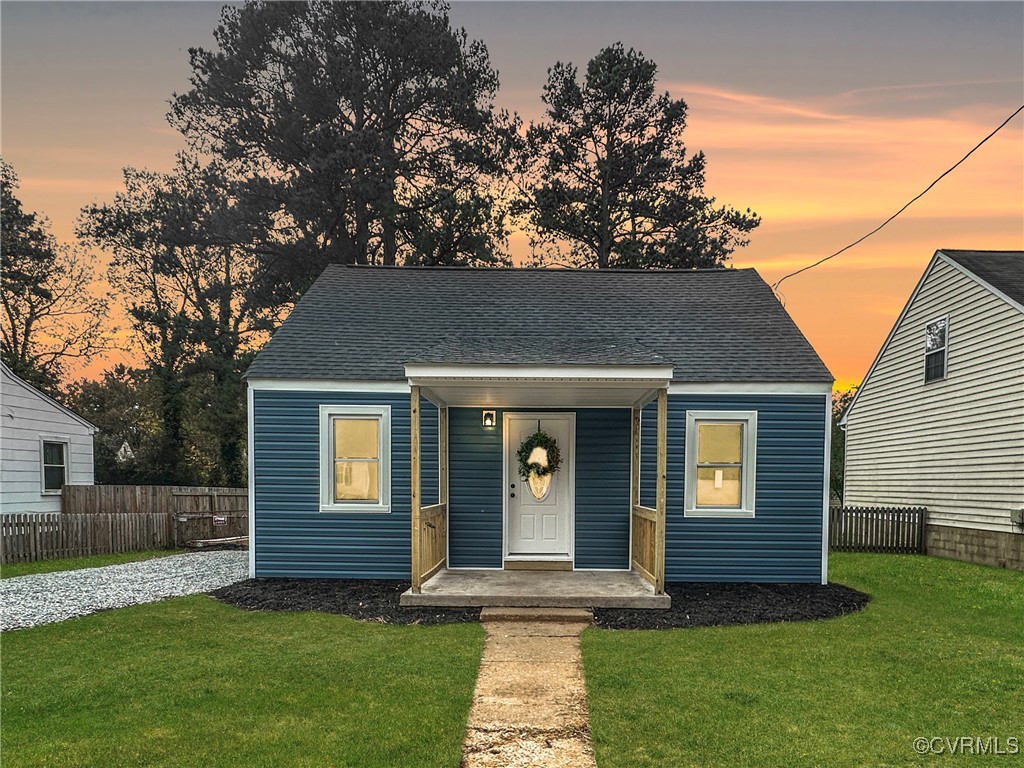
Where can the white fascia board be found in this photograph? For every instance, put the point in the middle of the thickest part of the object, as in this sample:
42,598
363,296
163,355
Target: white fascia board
751,388
327,385
432,372
964,270
892,332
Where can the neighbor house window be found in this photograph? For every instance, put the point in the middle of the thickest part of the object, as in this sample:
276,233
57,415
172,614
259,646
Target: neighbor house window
721,451
55,466
355,458
935,346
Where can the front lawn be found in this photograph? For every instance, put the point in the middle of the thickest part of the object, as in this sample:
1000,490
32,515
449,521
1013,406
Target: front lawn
194,682
937,653
74,563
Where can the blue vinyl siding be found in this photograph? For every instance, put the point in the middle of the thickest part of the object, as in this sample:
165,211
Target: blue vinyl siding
292,537
474,490
782,543
602,489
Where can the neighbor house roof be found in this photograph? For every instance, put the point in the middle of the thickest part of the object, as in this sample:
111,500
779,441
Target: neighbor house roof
1002,270
366,323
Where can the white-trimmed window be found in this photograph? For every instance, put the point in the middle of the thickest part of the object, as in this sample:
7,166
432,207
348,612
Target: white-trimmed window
936,342
721,453
355,458
54,460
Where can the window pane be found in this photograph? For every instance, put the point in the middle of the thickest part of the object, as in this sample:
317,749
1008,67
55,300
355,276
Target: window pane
935,335
719,443
718,486
53,478
356,481
935,365
53,453
355,438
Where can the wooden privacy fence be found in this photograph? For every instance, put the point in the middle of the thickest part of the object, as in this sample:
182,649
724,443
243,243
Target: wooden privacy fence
106,519
169,499
30,537
877,529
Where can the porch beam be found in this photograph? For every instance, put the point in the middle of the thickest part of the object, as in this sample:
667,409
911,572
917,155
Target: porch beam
415,497
662,493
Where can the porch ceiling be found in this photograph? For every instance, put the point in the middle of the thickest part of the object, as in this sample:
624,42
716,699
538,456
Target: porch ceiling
518,386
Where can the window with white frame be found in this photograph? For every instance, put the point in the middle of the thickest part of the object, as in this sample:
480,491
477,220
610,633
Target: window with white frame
55,465
355,458
721,454
936,342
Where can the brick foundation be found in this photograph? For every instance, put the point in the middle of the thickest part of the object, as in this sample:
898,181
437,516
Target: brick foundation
998,548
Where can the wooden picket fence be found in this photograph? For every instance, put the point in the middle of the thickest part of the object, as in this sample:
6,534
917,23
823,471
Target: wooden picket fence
106,519
877,529
27,538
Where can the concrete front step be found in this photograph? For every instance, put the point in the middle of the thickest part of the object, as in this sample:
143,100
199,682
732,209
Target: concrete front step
411,599
537,614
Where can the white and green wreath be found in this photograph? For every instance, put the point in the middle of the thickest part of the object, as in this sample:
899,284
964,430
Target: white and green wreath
539,458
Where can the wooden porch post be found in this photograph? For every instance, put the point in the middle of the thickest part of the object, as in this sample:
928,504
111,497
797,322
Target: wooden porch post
659,525
415,497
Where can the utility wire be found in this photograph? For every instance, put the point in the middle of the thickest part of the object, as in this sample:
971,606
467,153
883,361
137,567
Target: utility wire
775,286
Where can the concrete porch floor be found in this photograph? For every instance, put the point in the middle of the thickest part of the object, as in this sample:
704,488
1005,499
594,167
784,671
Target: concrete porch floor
473,588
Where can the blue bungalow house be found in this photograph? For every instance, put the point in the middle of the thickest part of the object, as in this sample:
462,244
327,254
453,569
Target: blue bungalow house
534,428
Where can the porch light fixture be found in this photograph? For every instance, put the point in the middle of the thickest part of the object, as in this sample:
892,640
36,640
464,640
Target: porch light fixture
489,419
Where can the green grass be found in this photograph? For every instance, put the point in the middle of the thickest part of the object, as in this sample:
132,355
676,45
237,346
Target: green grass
938,652
193,682
72,563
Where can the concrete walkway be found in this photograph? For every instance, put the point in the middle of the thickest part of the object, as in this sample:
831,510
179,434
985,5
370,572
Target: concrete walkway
530,706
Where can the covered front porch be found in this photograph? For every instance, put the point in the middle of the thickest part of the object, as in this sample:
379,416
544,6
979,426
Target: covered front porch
472,587
546,580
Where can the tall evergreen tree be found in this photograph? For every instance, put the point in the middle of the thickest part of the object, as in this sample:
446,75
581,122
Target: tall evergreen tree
355,128
608,181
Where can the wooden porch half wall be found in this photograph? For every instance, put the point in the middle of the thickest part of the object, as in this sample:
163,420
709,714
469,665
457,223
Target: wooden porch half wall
430,524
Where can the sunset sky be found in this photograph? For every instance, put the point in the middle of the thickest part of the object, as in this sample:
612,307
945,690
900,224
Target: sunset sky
824,118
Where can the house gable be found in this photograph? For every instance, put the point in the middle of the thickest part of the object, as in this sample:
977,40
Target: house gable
954,444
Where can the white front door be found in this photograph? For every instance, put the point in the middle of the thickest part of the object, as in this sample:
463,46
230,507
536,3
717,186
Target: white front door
540,528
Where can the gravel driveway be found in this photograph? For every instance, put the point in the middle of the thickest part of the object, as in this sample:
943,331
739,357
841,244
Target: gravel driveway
27,601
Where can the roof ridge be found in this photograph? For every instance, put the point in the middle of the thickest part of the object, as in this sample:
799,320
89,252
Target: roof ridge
984,250
437,268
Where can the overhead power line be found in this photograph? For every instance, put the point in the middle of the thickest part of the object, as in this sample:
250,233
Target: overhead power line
775,286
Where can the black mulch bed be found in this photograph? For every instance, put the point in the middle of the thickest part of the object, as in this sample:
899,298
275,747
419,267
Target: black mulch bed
366,599
720,605
693,605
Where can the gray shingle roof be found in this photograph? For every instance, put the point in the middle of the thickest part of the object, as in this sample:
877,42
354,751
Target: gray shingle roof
366,323
611,349
1003,270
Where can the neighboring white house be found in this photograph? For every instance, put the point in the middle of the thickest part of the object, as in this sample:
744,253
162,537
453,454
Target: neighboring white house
939,419
43,446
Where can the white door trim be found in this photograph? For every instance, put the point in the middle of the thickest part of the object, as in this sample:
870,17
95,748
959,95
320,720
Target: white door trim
570,467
